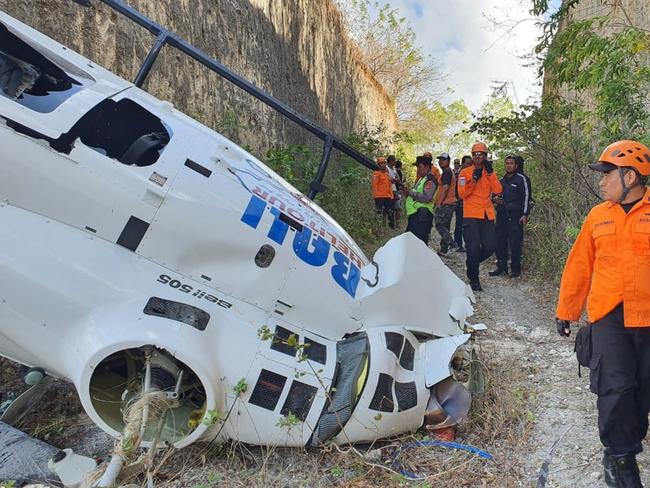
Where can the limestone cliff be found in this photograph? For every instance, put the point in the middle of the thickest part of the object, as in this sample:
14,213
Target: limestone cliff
296,50
634,13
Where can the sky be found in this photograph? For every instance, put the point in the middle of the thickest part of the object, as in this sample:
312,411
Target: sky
463,40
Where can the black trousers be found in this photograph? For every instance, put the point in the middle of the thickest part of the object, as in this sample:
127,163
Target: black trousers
384,207
620,376
458,227
510,237
479,243
420,224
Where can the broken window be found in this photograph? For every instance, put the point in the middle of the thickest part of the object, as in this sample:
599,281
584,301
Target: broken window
121,130
31,79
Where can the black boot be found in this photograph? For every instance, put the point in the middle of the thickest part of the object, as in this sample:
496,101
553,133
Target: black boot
501,269
626,471
476,285
609,469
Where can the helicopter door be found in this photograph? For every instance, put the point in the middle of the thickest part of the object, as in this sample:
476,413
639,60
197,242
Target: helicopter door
202,233
107,175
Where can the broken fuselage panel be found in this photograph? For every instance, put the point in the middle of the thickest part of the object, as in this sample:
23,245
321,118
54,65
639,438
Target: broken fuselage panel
132,238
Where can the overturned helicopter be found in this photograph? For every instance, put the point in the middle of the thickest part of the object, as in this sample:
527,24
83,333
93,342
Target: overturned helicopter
140,251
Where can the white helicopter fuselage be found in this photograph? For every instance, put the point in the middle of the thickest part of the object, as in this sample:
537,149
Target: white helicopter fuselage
126,225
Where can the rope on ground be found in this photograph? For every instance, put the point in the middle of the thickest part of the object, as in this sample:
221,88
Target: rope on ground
445,444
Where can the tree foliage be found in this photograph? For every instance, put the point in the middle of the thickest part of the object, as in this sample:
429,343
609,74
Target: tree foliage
388,47
440,127
596,78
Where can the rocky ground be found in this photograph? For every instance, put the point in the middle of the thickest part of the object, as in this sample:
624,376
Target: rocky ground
531,360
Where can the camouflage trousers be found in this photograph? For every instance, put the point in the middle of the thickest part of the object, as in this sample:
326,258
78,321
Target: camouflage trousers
443,215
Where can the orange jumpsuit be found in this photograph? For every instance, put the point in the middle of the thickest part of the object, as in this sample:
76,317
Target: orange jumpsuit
609,264
476,194
382,187
609,269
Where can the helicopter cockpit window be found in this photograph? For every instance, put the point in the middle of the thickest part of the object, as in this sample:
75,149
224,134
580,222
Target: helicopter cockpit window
31,79
121,130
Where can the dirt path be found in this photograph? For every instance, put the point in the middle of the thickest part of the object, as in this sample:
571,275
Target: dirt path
520,315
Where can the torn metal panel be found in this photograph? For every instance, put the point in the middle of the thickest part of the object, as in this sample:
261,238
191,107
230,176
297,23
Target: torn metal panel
406,267
438,354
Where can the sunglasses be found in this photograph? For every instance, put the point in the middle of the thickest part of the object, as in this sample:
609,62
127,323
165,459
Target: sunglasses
478,154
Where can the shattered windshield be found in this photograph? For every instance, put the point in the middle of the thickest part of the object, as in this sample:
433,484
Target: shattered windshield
33,80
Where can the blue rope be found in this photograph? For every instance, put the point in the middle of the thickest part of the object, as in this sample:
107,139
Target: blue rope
450,445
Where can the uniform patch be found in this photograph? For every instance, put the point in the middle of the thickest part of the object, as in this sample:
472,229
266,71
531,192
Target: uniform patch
462,180
604,222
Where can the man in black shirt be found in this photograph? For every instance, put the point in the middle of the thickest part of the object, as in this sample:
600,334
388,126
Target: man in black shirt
520,169
513,208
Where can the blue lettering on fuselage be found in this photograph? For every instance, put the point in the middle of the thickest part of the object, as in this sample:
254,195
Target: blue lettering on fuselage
314,252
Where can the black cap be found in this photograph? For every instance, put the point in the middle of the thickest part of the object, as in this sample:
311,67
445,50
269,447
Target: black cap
602,166
423,160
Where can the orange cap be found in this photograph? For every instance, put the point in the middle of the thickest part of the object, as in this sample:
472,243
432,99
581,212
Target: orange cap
624,154
479,147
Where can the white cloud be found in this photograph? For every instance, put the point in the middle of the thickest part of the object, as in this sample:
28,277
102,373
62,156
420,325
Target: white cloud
470,51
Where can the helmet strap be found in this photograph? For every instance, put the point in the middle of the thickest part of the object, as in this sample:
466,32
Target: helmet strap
626,190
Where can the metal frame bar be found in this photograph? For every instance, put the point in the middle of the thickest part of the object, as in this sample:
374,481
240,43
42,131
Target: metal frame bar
165,37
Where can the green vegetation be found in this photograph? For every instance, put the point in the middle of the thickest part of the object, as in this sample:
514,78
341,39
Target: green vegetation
596,80
596,83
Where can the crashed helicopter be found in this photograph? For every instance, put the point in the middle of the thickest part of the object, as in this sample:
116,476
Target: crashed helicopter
140,250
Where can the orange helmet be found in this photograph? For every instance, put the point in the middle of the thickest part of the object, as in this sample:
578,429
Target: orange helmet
624,154
479,147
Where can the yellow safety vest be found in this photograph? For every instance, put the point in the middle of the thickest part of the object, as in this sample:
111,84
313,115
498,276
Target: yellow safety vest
412,206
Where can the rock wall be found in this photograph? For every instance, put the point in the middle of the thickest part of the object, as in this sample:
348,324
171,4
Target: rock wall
296,50
623,12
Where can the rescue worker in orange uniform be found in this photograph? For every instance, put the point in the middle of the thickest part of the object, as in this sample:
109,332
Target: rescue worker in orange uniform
609,269
476,184
382,192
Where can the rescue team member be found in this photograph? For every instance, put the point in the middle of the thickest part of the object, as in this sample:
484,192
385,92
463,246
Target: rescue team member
445,205
419,201
520,170
434,171
512,214
475,186
458,227
609,268
382,192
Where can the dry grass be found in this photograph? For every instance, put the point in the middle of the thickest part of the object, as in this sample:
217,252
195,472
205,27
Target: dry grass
500,423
